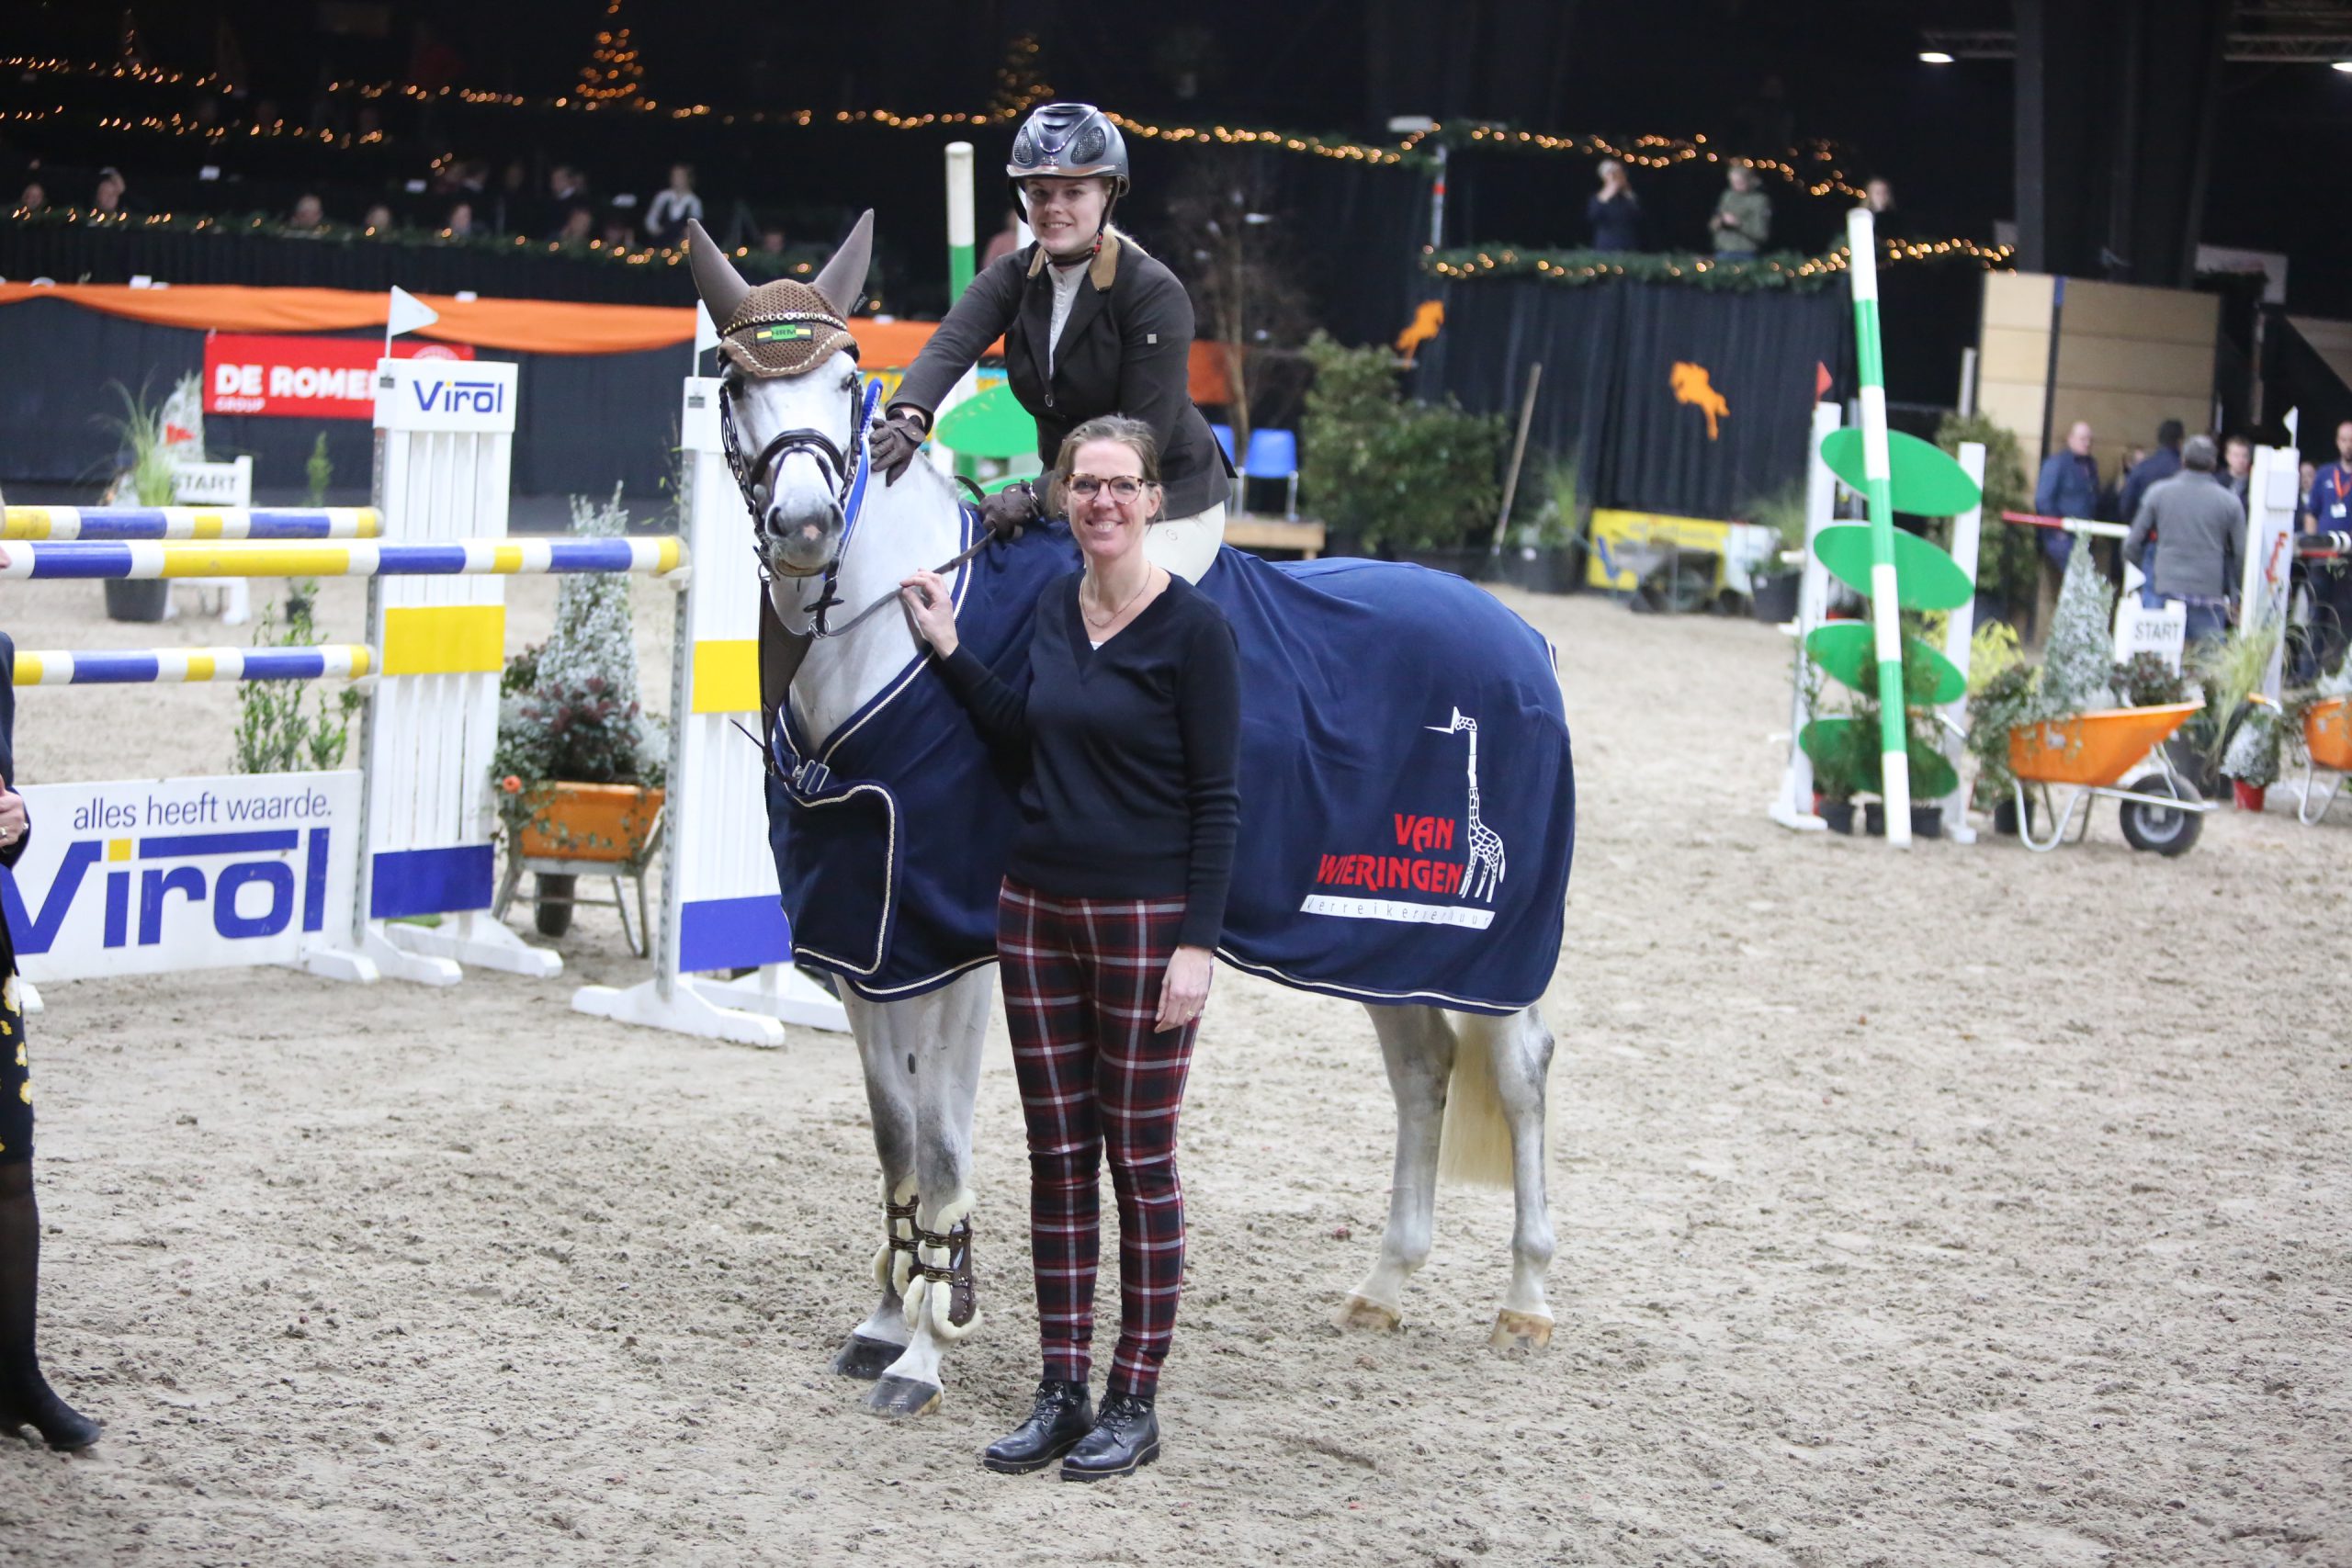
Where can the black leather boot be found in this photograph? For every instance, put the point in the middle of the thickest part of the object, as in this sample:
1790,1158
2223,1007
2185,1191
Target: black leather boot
1125,1438
1062,1416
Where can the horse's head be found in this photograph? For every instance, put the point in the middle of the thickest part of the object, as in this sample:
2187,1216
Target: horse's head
790,407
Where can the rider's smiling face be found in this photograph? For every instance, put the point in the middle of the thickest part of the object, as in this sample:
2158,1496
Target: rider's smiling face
1066,214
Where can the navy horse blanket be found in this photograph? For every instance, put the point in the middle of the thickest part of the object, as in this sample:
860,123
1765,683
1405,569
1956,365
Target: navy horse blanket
1407,799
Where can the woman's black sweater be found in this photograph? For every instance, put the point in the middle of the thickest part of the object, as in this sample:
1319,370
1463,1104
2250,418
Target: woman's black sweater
1131,790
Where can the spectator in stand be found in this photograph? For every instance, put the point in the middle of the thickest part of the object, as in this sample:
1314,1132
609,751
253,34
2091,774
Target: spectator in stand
514,198
579,227
666,215
2201,525
1615,211
620,227
2327,509
2068,488
772,240
1004,241
1878,195
460,225
378,220
309,215
1743,219
2237,469
32,198
567,187
112,190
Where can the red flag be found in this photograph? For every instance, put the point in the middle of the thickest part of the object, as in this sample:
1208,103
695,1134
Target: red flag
1821,381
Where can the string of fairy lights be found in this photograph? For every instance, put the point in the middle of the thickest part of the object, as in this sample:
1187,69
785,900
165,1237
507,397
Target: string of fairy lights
1784,270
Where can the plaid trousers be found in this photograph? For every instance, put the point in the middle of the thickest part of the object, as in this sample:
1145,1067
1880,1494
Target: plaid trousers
1081,989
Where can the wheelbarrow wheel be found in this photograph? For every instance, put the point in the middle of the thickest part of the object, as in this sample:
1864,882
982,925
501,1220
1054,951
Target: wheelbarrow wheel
2158,828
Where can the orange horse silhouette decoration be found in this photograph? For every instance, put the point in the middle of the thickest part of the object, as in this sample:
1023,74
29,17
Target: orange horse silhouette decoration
1427,316
1691,386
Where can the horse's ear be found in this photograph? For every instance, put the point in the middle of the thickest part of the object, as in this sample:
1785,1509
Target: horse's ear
842,283
721,286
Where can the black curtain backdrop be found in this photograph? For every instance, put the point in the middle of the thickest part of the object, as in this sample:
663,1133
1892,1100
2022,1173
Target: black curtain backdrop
1609,352
583,422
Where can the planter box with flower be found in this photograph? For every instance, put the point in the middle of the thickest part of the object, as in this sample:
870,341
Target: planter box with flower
1414,480
580,766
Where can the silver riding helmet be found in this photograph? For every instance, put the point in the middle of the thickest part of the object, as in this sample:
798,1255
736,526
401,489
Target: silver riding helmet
1068,141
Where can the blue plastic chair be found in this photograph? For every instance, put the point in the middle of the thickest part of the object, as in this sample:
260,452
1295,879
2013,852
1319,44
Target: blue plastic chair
1224,434
1273,454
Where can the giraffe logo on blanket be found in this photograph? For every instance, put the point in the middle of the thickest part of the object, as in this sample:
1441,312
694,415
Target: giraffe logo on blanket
1692,386
1419,838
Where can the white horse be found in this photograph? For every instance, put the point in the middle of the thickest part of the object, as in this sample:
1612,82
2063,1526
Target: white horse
1471,1085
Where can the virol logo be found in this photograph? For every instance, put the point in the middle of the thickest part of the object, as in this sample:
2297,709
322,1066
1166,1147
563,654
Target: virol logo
247,884
183,873
459,397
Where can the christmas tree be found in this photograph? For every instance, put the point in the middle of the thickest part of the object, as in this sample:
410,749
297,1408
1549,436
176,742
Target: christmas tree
612,73
2078,665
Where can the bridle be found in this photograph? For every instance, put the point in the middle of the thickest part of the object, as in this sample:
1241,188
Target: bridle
845,472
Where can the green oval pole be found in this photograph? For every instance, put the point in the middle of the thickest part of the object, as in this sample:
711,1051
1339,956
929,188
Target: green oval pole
1878,475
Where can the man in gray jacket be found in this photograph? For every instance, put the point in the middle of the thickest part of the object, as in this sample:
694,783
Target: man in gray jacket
2200,522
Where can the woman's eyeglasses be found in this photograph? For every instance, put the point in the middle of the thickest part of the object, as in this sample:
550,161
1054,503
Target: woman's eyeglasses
1124,488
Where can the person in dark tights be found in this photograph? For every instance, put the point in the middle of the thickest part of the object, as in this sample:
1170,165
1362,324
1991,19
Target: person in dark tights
26,1398
1114,897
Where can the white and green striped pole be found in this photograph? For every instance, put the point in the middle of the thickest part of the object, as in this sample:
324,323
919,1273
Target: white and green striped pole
960,252
1878,474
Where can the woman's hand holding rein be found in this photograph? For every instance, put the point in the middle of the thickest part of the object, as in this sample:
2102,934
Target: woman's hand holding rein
932,606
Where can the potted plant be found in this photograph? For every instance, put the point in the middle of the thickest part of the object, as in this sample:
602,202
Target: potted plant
1546,554
2251,762
1774,588
2233,670
1416,479
579,766
148,475
2008,558
2002,695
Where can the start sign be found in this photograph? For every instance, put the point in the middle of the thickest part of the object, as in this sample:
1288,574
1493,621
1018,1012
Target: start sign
308,378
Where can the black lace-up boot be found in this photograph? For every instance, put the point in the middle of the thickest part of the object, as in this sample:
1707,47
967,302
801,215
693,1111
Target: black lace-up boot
1063,1416
26,1398
1125,1438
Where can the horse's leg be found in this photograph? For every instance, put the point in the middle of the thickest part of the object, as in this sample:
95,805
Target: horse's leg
1520,1049
1419,1045
882,1337
937,1038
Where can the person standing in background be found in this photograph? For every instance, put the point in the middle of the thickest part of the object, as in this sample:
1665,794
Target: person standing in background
2160,464
2201,525
2237,469
1615,211
1878,195
2327,509
1743,219
666,215
2068,486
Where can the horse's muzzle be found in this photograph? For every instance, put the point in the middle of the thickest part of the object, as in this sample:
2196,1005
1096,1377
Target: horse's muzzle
804,545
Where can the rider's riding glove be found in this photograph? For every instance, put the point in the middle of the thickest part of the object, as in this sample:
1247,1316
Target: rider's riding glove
1009,508
893,447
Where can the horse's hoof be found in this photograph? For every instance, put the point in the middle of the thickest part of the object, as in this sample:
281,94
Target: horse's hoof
866,1359
1361,1314
1520,1331
895,1399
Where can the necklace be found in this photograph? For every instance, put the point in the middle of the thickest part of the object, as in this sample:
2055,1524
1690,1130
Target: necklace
1104,622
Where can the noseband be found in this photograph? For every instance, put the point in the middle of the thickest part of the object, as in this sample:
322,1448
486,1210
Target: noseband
845,473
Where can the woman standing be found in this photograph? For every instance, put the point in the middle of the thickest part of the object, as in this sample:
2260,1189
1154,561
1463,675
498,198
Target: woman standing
26,1398
1614,212
1091,326
1113,900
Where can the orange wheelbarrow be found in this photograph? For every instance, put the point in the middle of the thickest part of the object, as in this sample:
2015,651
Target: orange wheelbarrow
2327,743
2084,759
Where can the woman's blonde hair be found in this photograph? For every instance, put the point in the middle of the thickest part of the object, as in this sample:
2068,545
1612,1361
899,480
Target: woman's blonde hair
1132,434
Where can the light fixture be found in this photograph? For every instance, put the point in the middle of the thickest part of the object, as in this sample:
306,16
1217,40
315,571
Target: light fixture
1934,57
2345,66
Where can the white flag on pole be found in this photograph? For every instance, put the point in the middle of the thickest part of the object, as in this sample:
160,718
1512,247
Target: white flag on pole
2294,418
705,334
407,313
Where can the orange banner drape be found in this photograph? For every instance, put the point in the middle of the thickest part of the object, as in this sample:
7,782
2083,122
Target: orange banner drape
517,326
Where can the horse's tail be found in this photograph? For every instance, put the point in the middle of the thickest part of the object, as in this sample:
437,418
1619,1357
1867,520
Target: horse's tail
1474,1145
